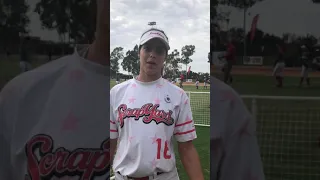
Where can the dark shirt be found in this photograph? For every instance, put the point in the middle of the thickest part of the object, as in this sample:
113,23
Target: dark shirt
231,53
24,54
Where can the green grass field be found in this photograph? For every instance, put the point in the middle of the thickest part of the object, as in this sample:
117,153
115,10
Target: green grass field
288,130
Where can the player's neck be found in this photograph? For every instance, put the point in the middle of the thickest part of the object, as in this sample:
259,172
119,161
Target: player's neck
147,78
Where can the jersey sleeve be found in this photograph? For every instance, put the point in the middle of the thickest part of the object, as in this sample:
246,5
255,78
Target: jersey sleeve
7,111
113,125
4,157
241,154
184,129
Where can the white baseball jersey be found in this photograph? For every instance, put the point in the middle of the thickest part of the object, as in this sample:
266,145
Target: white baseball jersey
54,122
234,149
145,116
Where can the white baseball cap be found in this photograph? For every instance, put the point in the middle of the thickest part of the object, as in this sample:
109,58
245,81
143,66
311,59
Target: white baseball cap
154,33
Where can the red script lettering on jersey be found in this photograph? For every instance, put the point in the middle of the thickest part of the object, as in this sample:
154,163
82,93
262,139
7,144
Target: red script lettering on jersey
86,163
149,112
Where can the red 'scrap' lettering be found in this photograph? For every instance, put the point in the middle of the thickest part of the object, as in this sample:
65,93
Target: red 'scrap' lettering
149,112
85,163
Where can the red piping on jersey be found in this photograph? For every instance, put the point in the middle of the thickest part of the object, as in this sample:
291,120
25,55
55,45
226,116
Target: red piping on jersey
113,122
186,132
112,130
185,123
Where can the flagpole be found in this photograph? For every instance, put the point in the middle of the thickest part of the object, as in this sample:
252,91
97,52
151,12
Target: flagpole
245,35
186,72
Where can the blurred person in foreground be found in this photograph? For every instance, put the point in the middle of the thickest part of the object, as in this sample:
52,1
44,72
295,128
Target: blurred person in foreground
58,113
234,149
147,114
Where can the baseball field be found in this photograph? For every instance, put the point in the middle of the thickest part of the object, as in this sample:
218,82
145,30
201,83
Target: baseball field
199,102
288,128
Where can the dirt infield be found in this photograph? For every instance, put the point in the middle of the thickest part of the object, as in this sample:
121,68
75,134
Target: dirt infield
267,71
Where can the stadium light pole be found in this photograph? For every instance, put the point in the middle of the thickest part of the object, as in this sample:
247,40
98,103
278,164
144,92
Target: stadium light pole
152,23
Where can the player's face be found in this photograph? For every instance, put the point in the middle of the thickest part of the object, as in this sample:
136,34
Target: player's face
152,56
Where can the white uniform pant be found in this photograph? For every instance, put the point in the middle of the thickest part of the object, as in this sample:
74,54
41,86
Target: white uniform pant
278,69
305,71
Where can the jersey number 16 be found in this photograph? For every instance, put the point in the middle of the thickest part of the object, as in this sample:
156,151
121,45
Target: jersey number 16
165,151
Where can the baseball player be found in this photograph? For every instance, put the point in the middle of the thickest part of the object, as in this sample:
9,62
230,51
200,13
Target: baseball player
197,83
53,119
117,80
306,59
173,81
316,57
279,67
25,59
146,114
205,83
230,60
234,149
181,81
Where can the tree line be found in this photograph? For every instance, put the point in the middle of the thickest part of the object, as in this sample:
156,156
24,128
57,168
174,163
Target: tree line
263,44
74,21
173,63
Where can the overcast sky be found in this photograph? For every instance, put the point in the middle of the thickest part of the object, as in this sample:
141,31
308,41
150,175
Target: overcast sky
186,22
281,16
35,24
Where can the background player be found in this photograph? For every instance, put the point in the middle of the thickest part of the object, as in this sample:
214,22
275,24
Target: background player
316,57
146,112
230,58
205,83
234,148
117,79
25,55
51,110
306,60
181,80
279,66
197,83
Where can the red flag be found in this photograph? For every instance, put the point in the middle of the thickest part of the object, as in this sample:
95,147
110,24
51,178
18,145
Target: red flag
189,69
254,26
